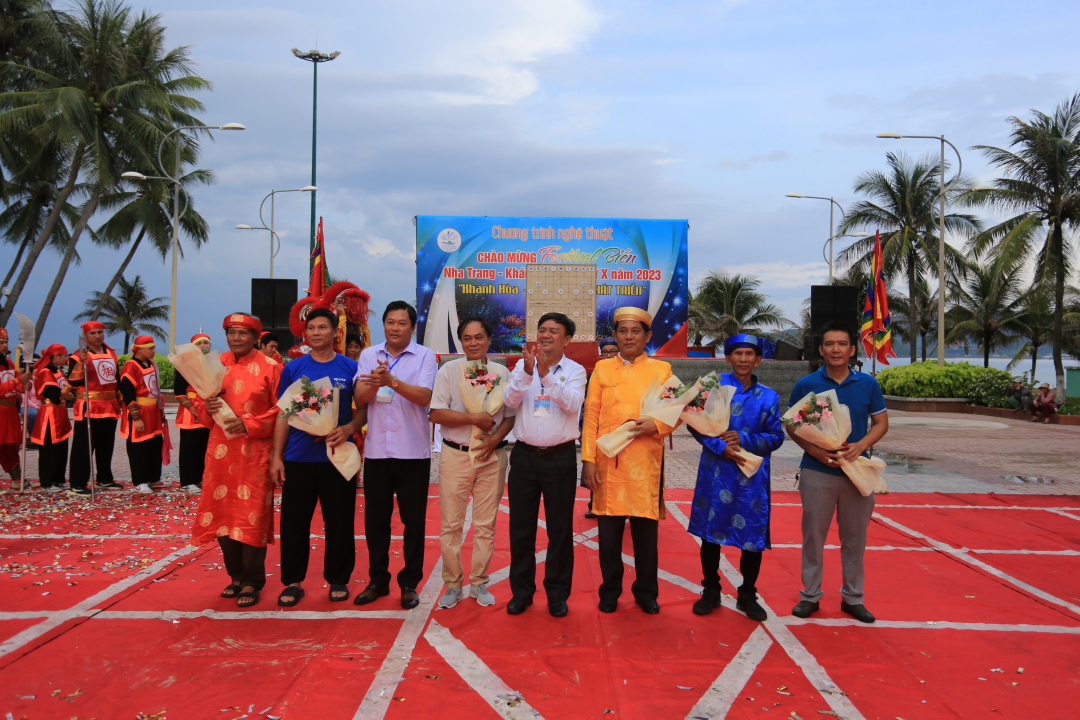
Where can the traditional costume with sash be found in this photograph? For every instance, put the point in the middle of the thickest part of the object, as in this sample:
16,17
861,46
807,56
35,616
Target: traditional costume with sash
140,388
10,419
96,385
51,427
194,436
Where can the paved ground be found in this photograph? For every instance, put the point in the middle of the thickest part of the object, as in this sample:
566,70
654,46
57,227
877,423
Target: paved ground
926,452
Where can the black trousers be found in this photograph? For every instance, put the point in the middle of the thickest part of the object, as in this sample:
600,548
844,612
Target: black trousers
554,478
246,564
52,461
308,483
104,432
193,455
408,480
749,566
144,458
643,532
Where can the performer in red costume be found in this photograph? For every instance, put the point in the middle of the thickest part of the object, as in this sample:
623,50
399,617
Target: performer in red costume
143,418
93,371
12,385
193,434
52,427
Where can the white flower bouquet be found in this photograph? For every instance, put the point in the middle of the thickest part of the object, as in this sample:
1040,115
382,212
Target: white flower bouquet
709,412
481,391
313,408
205,374
663,402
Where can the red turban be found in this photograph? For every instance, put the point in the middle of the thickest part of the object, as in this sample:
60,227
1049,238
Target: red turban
199,336
91,325
240,320
47,355
3,334
143,341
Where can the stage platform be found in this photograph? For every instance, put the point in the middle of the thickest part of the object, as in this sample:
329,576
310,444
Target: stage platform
107,613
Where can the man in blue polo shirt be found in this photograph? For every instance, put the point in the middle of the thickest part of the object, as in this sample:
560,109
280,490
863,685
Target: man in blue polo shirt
823,486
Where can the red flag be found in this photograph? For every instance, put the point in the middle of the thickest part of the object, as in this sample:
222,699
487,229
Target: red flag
320,278
876,333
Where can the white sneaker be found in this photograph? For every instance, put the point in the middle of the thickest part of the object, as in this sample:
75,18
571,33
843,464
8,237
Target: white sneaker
450,598
55,489
193,489
482,594
144,489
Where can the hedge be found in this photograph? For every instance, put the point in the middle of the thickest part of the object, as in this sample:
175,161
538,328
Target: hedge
983,386
165,369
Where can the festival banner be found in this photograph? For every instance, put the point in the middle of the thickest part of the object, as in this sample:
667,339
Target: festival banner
511,270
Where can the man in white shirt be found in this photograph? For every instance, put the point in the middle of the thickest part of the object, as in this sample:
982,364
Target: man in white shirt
459,475
549,388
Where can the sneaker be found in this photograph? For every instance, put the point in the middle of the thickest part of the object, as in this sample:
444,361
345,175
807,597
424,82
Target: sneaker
80,491
55,489
109,485
193,489
158,485
144,489
450,598
710,600
482,594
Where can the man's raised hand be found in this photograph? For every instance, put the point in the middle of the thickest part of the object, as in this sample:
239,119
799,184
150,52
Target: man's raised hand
529,359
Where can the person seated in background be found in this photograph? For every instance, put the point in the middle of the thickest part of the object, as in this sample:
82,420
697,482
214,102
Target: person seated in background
268,343
1018,396
1045,402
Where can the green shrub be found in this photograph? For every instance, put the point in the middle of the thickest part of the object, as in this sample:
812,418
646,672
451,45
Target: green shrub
165,369
983,386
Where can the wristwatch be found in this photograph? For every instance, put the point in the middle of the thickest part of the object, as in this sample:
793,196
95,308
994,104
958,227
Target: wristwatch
394,383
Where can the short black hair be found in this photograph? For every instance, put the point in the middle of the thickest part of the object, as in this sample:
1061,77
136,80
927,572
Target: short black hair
559,318
321,313
483,323
837,326
400,305
353,338
267,338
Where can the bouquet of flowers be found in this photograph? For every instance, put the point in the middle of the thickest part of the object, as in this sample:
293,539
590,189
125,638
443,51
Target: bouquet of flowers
710,414
313,408
205,374
481,391
662,401
821,419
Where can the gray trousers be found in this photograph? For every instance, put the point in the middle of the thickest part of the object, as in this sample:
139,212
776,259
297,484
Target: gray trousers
821,494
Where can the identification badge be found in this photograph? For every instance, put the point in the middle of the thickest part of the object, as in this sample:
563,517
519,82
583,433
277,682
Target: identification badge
541,406
386,394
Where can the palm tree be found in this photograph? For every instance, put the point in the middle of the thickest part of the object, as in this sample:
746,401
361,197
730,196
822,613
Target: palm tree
28,205
729,304
986,306
109,94
132,313
148,210
924,319
1042,187
1038,320
903,204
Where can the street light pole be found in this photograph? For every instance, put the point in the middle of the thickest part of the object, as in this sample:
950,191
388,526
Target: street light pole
831,226
314,57
941,231
273,235
177,189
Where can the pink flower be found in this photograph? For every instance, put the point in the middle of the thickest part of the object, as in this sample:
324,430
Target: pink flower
826,413
298,398
823,403
325,392
313,402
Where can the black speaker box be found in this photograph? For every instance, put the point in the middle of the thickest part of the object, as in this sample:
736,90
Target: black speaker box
271,301
829,303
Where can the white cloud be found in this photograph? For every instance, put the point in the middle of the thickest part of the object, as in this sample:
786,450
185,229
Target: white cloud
381,247
774,275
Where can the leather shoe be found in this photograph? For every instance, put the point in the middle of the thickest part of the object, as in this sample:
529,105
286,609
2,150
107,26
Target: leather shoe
651,607
409,598
517,606
370,594
558,609
710,600
608,606
590,515
747,602
859,612
805,609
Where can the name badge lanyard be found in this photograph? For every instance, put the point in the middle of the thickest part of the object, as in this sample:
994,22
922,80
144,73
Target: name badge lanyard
542,402
386,394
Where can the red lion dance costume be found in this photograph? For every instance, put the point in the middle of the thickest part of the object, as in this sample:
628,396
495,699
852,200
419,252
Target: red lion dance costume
348,302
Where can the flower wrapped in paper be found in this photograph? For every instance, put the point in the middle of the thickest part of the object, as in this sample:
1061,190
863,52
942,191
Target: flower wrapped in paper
481,391
662,402
313,408
205,374
821,419
709,412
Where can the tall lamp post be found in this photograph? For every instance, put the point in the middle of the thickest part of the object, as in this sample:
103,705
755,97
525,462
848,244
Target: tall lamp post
314,57
273,236
941,226
176,207
831,227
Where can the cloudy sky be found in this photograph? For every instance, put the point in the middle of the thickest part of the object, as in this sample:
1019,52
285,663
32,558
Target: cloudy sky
709,111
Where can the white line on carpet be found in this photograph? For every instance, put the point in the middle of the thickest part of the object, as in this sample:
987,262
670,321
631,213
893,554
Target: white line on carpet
717,700
813,670
962,554
932,625
17,641
1065,514
478,675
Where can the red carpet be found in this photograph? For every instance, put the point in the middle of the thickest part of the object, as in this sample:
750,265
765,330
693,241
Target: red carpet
116,617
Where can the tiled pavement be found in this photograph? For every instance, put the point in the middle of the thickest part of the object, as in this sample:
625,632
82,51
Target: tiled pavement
926,452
